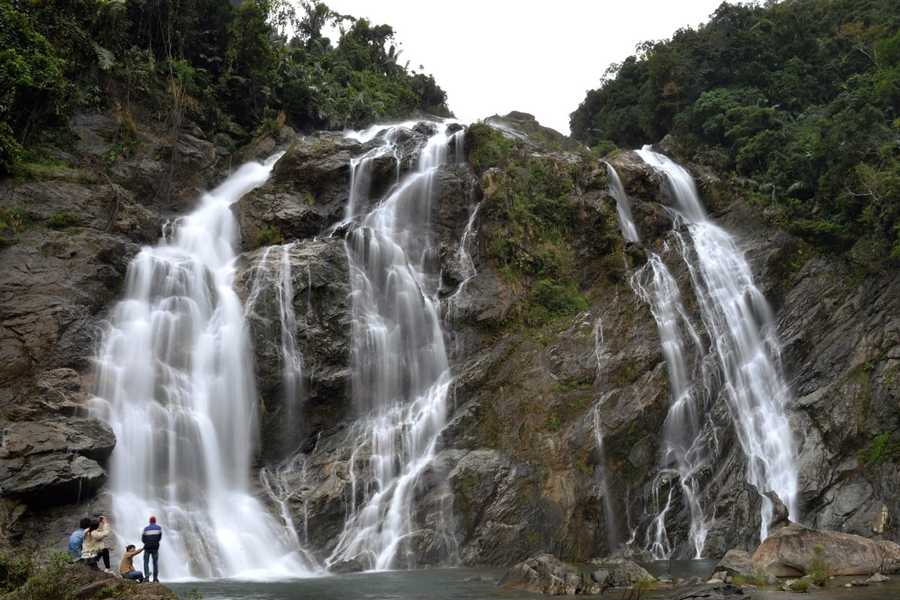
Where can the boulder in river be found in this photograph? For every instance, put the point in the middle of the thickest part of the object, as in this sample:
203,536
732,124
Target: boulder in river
789,551
546,574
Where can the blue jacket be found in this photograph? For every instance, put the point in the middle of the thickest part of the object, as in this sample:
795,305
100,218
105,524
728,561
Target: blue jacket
75,542
151,536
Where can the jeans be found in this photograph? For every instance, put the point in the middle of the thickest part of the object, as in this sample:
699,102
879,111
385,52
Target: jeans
155,554
136,575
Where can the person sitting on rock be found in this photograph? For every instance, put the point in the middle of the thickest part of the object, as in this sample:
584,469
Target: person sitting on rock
127,566
94,548
76,540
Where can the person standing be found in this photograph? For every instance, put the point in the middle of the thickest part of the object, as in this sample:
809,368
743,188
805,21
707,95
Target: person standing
76,540
126,567
151,537
93,547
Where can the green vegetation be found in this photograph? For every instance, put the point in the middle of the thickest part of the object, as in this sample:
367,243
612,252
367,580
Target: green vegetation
37,577
801,585
585,470
268,236
800,97
553,422
757,579
14,571
635,434
530,218
819,569
880,447
230,67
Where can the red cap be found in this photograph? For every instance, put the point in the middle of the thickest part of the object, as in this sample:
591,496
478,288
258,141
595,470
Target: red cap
153,519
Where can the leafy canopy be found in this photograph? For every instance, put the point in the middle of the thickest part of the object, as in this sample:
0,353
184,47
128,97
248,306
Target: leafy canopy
801,97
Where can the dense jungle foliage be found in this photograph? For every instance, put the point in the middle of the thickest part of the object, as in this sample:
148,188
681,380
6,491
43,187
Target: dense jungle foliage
231,67
800,96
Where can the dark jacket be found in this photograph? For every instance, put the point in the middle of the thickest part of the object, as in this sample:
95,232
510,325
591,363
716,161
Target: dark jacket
151,536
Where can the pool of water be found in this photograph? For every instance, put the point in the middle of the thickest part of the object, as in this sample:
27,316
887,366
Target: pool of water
462,584
478,584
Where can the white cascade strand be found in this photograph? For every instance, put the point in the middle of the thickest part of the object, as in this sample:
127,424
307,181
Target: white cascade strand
401,375
464,259
175,382
623,205
613,533
272,280
683,451
740,325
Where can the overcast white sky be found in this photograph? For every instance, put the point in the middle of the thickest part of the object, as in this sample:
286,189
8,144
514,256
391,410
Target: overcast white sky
495,56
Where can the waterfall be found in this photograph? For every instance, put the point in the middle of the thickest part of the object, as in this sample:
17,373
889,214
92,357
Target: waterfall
683,451
175,382
464,261
623,206
401,373
273,270
613,534
740,324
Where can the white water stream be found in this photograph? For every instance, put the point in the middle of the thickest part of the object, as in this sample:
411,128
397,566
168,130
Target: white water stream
623,205
739,323
272,280
683,451
176,383
400,370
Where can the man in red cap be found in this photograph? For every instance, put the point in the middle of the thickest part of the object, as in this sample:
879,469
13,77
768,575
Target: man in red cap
151,537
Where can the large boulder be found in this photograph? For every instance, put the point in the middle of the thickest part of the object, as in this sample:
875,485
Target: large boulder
735,562
546,574
713,591
626,573
789,551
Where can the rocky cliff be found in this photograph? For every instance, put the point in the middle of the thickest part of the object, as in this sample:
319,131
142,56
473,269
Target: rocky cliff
560,385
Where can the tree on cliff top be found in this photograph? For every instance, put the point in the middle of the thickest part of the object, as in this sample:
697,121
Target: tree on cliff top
228,66
800,97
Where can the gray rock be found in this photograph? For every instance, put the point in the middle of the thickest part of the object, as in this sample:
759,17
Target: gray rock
53,461
91,438
546,574
602,577
736,562
50,479
712,591
788,552
625,573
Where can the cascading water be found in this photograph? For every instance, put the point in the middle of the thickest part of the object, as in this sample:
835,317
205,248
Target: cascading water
613,533
683,451
401,374
623,205
273,270
739,323
175,381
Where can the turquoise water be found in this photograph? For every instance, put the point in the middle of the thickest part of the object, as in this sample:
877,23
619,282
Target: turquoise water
477,584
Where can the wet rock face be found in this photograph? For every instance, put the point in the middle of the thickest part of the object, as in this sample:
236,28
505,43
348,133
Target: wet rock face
319,282
310,187
307,192
61,273
841,344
